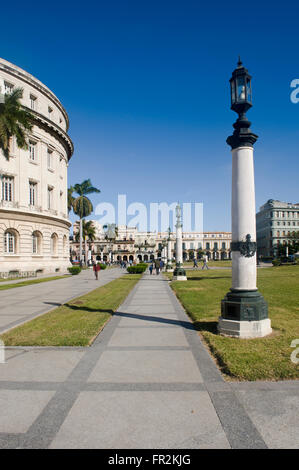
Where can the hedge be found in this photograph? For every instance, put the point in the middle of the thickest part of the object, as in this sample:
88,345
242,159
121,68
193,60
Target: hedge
136,269
74,270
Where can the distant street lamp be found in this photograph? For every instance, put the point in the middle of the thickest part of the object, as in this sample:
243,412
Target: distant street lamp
179,274
244,312
169,267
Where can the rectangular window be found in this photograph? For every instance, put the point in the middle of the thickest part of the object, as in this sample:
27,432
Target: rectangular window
50,193
7,188
50,159
32,193
8,87
32,151
33,102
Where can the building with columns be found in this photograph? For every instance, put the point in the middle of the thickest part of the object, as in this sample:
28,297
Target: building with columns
34,224
132,245
275,222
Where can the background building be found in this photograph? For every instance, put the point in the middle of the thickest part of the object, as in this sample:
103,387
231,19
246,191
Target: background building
34,224
143,246
275,222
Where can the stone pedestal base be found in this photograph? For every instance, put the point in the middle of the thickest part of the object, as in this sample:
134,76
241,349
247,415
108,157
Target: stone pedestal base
179,274
244,329
179,278
169,270
244,305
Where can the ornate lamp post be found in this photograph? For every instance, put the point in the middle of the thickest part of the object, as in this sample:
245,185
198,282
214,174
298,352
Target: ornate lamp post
244,312
169,267
164,252
179,273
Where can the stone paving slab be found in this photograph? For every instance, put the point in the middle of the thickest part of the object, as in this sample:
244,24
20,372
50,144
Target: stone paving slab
148,420
275,415
40,366
19,409
146,366
146,337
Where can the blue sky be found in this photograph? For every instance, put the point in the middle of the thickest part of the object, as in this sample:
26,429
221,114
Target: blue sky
145,84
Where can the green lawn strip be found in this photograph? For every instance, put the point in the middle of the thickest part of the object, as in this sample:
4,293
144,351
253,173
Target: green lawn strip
33,281
253,359
75,323
216,264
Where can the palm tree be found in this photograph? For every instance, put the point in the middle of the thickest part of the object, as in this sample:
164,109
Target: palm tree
82,206
88,234
70,198
14,121
88,231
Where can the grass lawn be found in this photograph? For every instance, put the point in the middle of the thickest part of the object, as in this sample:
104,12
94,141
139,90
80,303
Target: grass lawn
247,359
33,281
225,264
75,323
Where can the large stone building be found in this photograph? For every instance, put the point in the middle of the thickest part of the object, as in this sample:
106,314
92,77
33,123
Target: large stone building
34,224
275,222
143,246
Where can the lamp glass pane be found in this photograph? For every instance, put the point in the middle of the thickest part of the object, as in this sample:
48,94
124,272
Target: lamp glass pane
241,89
248,88
233,93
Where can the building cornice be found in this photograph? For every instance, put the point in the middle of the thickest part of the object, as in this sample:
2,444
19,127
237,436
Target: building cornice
32,216
49,126
35,83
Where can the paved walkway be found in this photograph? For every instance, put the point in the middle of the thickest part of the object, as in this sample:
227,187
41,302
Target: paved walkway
21,304
147,382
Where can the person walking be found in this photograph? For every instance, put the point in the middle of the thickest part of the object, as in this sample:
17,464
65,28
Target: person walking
157,266
151,266
161,265
195,265
96,269
205,262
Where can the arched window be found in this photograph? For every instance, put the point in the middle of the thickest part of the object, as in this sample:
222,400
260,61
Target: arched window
64,242
10,242
54,244
36,243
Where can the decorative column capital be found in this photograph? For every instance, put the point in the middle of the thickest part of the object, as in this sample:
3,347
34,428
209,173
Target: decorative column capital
242,136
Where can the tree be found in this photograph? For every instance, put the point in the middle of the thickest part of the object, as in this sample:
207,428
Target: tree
88,231
70,198
294,241
15,121
82,206
111,233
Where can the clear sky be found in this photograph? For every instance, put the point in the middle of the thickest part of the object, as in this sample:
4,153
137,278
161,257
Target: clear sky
145,84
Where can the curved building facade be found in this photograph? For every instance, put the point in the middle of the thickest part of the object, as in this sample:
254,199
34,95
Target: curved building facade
34,224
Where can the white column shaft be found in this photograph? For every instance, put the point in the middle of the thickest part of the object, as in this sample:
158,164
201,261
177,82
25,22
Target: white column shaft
169,250
243,216
179,249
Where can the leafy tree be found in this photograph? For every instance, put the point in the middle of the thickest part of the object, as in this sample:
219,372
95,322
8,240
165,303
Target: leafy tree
82,205
70,198
15,121
111,231
88,231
